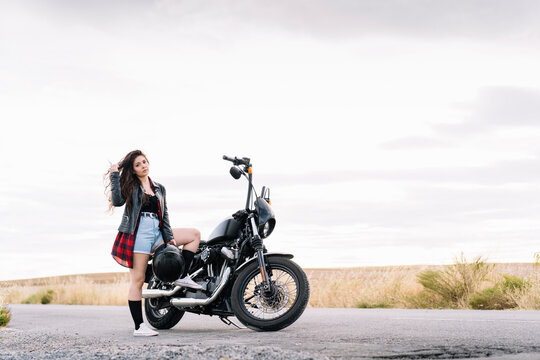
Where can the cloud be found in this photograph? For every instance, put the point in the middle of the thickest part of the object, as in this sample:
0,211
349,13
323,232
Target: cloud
498,173
339,18
498,107
494,108
426,19
507,106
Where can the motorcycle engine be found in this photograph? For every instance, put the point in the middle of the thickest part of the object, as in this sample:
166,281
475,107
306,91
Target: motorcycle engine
208,255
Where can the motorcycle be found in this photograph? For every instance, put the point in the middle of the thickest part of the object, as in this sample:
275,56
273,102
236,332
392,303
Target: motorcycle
265,291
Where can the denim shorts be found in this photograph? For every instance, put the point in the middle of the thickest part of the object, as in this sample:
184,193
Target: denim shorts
148,235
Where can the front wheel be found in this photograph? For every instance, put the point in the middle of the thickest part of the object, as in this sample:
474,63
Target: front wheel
159,313
275,309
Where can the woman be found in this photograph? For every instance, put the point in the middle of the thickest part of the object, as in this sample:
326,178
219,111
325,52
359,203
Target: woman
144,227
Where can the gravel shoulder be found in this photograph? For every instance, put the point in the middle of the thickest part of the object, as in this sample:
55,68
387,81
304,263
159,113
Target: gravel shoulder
28,346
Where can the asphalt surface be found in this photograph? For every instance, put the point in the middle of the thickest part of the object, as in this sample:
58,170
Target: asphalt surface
319,333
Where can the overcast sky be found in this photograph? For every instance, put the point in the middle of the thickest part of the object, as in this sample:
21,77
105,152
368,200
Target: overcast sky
390,132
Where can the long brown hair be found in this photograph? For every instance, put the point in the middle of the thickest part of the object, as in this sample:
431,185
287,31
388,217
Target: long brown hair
128,179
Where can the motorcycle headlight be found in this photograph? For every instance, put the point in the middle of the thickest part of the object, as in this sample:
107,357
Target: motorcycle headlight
266,221
266,229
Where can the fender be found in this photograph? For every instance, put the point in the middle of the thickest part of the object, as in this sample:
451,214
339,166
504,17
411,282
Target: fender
266,256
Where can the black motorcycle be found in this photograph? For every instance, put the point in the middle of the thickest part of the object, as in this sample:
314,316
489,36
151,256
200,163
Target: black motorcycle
265,291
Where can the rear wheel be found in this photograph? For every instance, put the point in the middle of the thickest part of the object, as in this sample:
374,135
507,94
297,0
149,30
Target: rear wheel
275,309
159,313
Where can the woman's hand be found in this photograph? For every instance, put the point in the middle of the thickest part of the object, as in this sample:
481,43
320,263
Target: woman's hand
113,168
172,242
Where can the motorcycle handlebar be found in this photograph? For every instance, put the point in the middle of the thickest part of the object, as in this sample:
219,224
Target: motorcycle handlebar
237,161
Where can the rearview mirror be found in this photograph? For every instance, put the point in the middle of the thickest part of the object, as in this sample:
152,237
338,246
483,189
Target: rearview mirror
235,172
265,193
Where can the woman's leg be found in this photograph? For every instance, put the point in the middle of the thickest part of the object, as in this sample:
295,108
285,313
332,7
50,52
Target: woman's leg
136,276
189,237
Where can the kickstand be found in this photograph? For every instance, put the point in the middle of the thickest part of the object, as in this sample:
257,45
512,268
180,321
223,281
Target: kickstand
229,322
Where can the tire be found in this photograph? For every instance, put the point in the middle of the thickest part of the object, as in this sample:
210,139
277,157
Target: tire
164,318
273,313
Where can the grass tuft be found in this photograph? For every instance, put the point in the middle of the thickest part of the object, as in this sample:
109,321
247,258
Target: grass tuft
41,297
382,305
454,286
5,315
501,296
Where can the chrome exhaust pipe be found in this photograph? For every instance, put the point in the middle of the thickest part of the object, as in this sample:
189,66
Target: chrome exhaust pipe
157,293
191,302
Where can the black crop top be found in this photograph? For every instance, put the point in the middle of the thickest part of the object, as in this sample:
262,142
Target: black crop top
151,204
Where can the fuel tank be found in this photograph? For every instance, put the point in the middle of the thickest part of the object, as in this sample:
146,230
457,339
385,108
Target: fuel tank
228,229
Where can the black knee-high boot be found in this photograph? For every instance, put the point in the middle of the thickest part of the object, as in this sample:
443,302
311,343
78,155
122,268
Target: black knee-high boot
135,307
188,258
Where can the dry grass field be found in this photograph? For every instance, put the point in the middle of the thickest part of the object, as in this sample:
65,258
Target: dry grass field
391,286
398,286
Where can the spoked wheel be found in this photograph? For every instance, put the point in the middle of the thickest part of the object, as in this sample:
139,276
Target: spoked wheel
159,313
277,307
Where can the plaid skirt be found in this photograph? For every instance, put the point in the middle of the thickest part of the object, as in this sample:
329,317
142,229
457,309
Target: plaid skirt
124,243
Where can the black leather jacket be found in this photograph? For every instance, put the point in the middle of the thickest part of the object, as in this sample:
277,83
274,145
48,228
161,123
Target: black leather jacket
129,219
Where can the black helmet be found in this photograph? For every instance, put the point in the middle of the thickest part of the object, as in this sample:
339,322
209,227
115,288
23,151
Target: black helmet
168,264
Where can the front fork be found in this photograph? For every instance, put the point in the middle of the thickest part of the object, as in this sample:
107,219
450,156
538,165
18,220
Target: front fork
257,244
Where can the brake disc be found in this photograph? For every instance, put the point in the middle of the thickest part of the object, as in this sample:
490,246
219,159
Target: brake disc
276,301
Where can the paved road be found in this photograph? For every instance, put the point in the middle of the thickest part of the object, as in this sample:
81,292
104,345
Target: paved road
335,333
